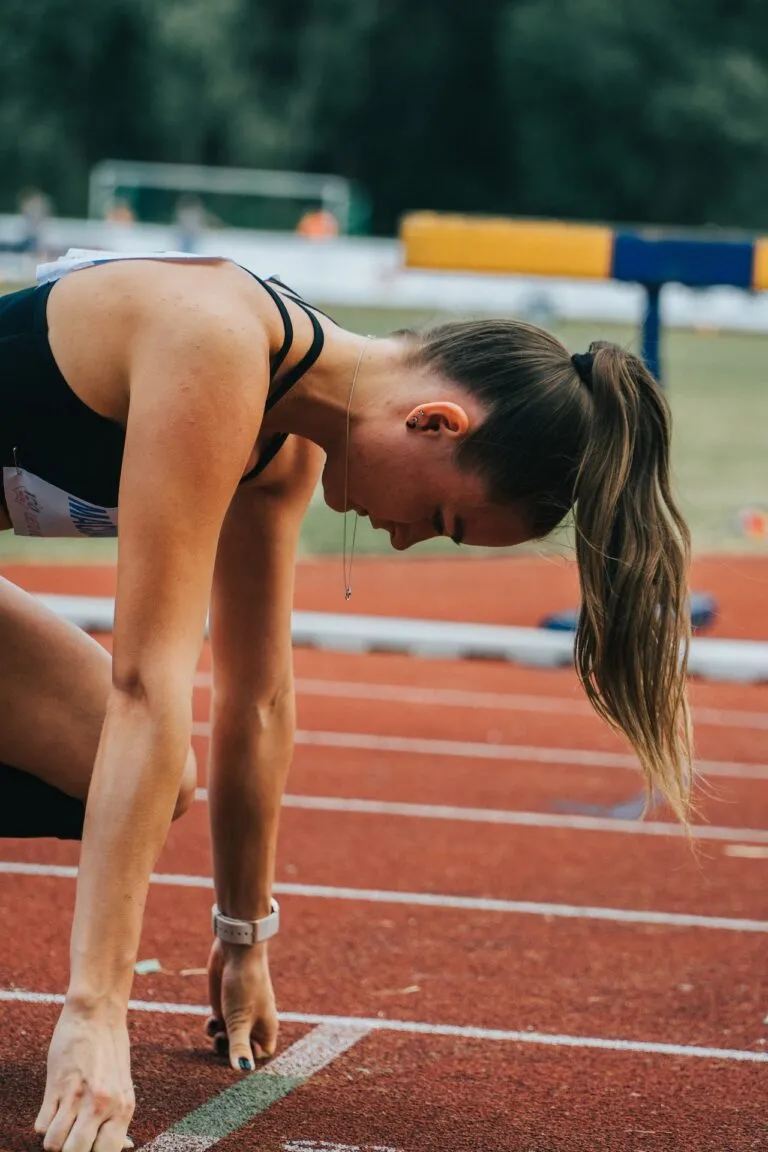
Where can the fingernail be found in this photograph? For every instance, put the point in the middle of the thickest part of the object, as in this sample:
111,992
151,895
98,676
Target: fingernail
245,1064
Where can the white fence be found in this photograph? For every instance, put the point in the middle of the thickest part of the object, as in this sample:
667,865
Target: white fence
738,661
369,272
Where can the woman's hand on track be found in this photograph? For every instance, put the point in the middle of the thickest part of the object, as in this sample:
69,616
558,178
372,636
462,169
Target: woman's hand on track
89,1098
244,1019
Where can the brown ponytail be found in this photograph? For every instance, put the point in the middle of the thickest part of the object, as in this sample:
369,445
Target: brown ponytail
593,430
633,550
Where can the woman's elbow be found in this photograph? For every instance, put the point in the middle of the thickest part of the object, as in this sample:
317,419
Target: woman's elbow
188,788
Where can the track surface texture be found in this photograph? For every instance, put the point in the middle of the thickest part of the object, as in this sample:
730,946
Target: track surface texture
486,948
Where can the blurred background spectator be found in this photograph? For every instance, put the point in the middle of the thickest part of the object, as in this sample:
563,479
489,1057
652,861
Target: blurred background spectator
120,211
318,224
192,219
35,210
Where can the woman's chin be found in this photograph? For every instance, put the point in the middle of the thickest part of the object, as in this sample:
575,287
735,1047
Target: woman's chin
337,504
333,502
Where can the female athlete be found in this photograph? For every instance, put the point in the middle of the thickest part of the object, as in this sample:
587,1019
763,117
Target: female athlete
198,406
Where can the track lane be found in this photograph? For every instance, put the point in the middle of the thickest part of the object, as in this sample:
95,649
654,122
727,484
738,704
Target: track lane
506,862
497,725
681,985
505,784
422,1094
686,986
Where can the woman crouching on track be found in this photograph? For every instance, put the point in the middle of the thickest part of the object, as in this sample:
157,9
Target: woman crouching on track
204,403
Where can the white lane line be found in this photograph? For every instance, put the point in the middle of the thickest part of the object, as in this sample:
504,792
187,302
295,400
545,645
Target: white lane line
495,701
229,1111
334,1146
412,1027
433,900
471,750
316,1050
170,1142
746,851
569,821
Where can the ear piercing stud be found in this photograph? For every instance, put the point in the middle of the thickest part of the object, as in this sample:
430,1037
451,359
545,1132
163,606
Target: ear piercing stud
414,420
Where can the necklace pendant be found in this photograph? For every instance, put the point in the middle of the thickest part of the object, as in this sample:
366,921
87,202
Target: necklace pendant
347,593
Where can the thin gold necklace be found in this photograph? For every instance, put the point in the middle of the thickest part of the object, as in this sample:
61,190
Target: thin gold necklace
347,572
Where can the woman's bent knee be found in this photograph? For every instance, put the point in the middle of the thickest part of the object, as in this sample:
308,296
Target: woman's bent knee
186,797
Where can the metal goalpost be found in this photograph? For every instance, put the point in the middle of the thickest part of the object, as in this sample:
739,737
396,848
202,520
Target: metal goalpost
109,178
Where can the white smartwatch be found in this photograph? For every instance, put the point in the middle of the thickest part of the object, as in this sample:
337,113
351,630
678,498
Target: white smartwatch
246,932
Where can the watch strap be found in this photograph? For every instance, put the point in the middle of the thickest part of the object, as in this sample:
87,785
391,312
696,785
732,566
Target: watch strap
246,932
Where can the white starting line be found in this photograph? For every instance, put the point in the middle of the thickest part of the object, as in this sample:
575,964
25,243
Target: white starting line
230,1110
416,1028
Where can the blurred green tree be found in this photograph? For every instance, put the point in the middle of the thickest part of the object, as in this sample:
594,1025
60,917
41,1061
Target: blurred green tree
625,110
77,82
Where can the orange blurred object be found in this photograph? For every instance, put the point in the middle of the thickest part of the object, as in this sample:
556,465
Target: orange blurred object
318,224
753,522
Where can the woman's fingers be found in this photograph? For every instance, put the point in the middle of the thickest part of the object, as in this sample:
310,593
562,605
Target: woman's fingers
243,1021
112,1138
60,1126
264,1037
240,1051
47,1112
214,1026
86,1131
261,1050
215,965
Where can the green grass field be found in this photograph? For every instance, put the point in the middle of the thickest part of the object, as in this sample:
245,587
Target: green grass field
718,388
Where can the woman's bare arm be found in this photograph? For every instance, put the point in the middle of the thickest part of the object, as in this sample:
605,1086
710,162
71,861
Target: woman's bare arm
195,409
253,704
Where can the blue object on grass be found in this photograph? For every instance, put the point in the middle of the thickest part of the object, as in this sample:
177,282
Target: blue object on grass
703,613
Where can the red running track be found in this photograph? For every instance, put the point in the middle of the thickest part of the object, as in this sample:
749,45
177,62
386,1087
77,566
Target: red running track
372,957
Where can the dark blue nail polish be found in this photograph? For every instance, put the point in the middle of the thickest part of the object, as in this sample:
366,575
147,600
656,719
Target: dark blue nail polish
245,1064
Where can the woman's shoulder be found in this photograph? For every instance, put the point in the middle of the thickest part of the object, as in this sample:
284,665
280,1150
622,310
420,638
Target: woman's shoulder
76,259
175,297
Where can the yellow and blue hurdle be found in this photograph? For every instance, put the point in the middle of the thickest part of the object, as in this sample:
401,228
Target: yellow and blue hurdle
651,257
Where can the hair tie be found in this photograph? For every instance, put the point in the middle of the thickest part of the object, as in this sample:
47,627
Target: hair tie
582,362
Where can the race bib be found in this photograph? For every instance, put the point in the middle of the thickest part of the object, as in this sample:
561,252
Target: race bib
37,508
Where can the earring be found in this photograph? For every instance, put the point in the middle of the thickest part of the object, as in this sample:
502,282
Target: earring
414,420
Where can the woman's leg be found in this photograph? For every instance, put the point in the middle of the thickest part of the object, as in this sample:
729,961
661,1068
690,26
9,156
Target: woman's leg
54,683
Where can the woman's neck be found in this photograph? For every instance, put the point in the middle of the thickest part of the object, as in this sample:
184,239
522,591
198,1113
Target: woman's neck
316,407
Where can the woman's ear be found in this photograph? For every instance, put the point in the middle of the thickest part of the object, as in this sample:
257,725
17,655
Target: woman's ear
439,417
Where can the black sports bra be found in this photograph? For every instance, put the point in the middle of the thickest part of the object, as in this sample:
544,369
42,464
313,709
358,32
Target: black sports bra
310,357
61,460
